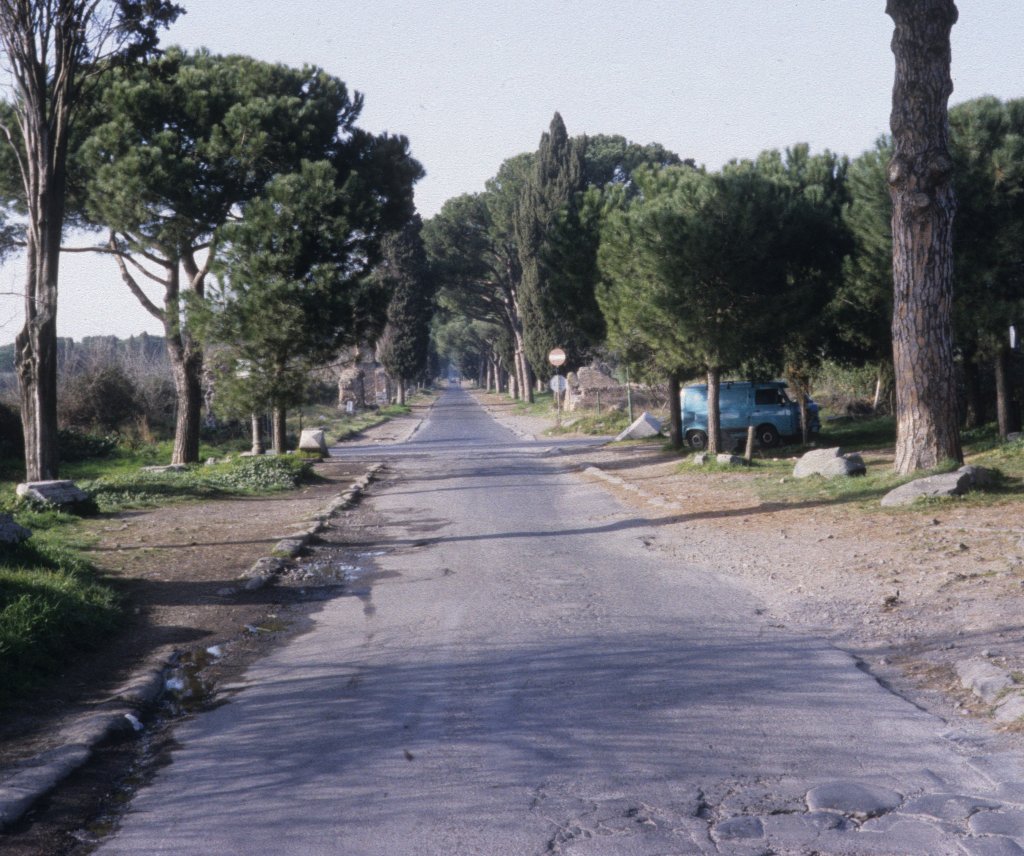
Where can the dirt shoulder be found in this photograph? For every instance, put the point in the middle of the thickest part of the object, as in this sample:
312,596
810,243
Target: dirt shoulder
911,592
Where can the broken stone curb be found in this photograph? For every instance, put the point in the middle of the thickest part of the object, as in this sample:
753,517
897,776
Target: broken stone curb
994,686
34,778
31,779
265,570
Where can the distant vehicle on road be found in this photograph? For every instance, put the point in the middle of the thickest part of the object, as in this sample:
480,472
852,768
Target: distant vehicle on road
766,406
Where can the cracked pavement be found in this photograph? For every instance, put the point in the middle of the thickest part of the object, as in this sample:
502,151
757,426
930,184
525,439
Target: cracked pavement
513,672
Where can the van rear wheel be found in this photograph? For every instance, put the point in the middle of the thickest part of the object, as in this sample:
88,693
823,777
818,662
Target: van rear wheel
767,436
697,440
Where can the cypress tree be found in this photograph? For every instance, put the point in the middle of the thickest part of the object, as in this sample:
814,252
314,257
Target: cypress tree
550,199
405,344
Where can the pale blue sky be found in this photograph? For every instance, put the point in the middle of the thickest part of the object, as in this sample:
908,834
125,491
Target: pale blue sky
472,82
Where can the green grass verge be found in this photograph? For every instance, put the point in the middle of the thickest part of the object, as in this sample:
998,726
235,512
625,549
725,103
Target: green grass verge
247,476
856,434
52,606
593,423
771,473
52,603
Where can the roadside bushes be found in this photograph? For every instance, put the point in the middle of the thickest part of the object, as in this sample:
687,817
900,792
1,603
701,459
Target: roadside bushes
103,399
107,399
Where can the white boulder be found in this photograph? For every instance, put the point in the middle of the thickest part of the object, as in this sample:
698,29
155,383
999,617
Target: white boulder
645,426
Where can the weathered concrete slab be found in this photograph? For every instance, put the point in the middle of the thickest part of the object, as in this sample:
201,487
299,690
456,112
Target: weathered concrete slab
946,484
950,807
59,493
738,827
313,440
853,799
643,427
991,845
997,823
166,468
830,463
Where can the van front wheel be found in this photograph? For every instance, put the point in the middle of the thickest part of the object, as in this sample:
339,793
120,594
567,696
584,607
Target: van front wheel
697,440
767,436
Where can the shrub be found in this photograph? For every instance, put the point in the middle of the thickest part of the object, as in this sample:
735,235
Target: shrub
80,446
104,398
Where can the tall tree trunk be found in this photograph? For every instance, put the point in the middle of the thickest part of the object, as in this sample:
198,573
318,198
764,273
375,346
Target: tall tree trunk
257,434
974,404
35,351
799,377
525,375
186,358
279,430
400,391
922,226
714,420
1001,364
675,411
187,371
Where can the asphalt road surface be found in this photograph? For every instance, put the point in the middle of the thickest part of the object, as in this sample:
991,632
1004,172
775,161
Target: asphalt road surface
518,670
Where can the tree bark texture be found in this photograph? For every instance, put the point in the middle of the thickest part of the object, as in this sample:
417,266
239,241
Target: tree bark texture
45,86
1001,365
186,358
714,420
35,350
257,434
675,411
924,205
279,430
187,371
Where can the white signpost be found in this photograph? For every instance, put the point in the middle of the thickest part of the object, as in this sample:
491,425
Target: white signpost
558,383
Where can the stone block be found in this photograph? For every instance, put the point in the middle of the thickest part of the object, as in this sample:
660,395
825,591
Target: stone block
60,493
985,680
313,440
645,426
829,463
946,484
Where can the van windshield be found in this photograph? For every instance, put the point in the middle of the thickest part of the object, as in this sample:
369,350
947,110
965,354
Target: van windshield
770,396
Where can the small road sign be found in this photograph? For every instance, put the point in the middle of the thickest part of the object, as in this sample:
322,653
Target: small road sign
557,357
558,383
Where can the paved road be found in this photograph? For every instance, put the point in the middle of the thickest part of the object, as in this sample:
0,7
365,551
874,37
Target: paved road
518,673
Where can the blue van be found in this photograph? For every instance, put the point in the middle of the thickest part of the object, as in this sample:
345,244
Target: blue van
766,406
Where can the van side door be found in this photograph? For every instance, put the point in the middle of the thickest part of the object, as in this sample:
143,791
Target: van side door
772,406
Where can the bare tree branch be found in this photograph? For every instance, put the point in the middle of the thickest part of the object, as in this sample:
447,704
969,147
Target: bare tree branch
134,286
